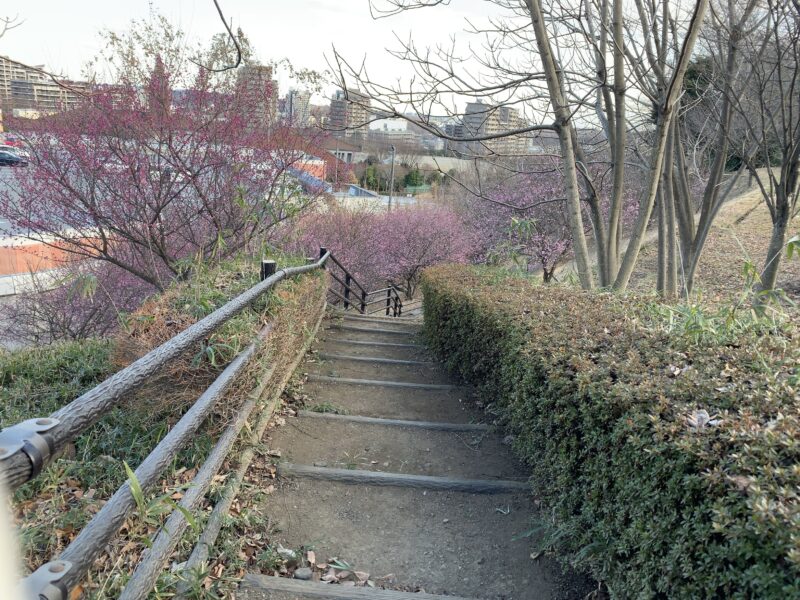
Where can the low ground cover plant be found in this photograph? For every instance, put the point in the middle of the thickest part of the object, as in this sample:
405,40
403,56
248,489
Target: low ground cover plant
667,461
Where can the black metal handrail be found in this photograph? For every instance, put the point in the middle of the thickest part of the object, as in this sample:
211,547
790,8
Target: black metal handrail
348,292
393,301
26,448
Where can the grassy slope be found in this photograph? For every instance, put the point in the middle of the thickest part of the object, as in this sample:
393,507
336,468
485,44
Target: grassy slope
52,509
740,234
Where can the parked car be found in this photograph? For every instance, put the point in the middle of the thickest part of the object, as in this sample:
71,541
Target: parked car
9,159
15,150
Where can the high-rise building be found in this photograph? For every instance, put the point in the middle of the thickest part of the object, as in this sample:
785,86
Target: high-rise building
30,89
349,114
261,93
484,120
297,109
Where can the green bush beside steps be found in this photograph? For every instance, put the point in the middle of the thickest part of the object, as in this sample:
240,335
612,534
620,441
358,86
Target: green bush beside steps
667,463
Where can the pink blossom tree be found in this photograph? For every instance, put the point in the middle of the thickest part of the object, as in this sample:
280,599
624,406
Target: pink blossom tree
519,215
88,300
378,247
413,239
170,164
351,233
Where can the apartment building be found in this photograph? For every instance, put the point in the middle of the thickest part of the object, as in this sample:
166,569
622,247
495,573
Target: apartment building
349,115
484,120
27,89
297,108
261,90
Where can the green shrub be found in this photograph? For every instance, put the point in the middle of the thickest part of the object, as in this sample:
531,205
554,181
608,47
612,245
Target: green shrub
669,461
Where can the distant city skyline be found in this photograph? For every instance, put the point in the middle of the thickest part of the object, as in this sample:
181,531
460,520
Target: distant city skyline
58,34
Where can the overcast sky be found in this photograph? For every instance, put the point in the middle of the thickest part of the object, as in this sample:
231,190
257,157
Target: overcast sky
62,34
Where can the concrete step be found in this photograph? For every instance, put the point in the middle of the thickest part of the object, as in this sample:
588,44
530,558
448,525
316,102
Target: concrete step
368,323
358,368
443,542
341,444
404,480
283,588
451,406
398,350
435,425
409,385
377,318
368,333
375,360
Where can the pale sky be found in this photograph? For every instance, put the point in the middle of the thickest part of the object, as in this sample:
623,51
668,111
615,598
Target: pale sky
62,35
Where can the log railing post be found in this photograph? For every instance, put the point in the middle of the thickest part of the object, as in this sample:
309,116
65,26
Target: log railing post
268,267
347,280
388,300
363,301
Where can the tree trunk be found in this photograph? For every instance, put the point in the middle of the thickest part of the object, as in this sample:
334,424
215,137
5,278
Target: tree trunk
657,159
618,152
684,207
596,215
661,261
777,241
668,196
564,128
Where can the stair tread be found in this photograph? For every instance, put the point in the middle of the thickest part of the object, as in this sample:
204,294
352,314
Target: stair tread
342,443
444,542
311,589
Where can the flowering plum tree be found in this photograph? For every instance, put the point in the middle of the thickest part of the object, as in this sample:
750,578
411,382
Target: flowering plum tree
377,246
520,215
349,232
86,301
169,164
415,238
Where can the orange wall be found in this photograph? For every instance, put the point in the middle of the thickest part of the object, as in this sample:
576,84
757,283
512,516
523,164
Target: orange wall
316,168
30,258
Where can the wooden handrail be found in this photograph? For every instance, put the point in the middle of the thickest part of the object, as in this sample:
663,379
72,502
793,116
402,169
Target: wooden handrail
22,460
338,295
347,287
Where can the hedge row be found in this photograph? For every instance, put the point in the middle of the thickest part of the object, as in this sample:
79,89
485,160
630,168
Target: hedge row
608,402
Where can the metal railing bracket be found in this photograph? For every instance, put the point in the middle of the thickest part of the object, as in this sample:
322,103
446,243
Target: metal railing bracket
45,582
27,437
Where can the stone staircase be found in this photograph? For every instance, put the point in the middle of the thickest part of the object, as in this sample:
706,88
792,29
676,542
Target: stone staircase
390,469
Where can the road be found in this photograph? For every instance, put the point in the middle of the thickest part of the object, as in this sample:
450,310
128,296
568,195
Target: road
6,181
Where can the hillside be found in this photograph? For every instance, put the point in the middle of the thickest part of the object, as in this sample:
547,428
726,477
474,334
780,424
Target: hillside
740,235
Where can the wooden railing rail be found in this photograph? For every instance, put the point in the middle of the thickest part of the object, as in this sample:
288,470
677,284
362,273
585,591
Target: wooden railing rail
27,447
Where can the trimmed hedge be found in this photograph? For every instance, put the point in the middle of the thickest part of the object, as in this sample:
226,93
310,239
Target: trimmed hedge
605,400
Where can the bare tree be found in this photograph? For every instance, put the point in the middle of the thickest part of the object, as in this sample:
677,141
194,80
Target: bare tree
589,56
8,23
768,106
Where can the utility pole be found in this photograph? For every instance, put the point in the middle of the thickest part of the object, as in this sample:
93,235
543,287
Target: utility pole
391,179
336,168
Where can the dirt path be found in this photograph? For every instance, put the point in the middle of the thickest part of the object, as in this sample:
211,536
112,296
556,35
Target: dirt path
406,484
